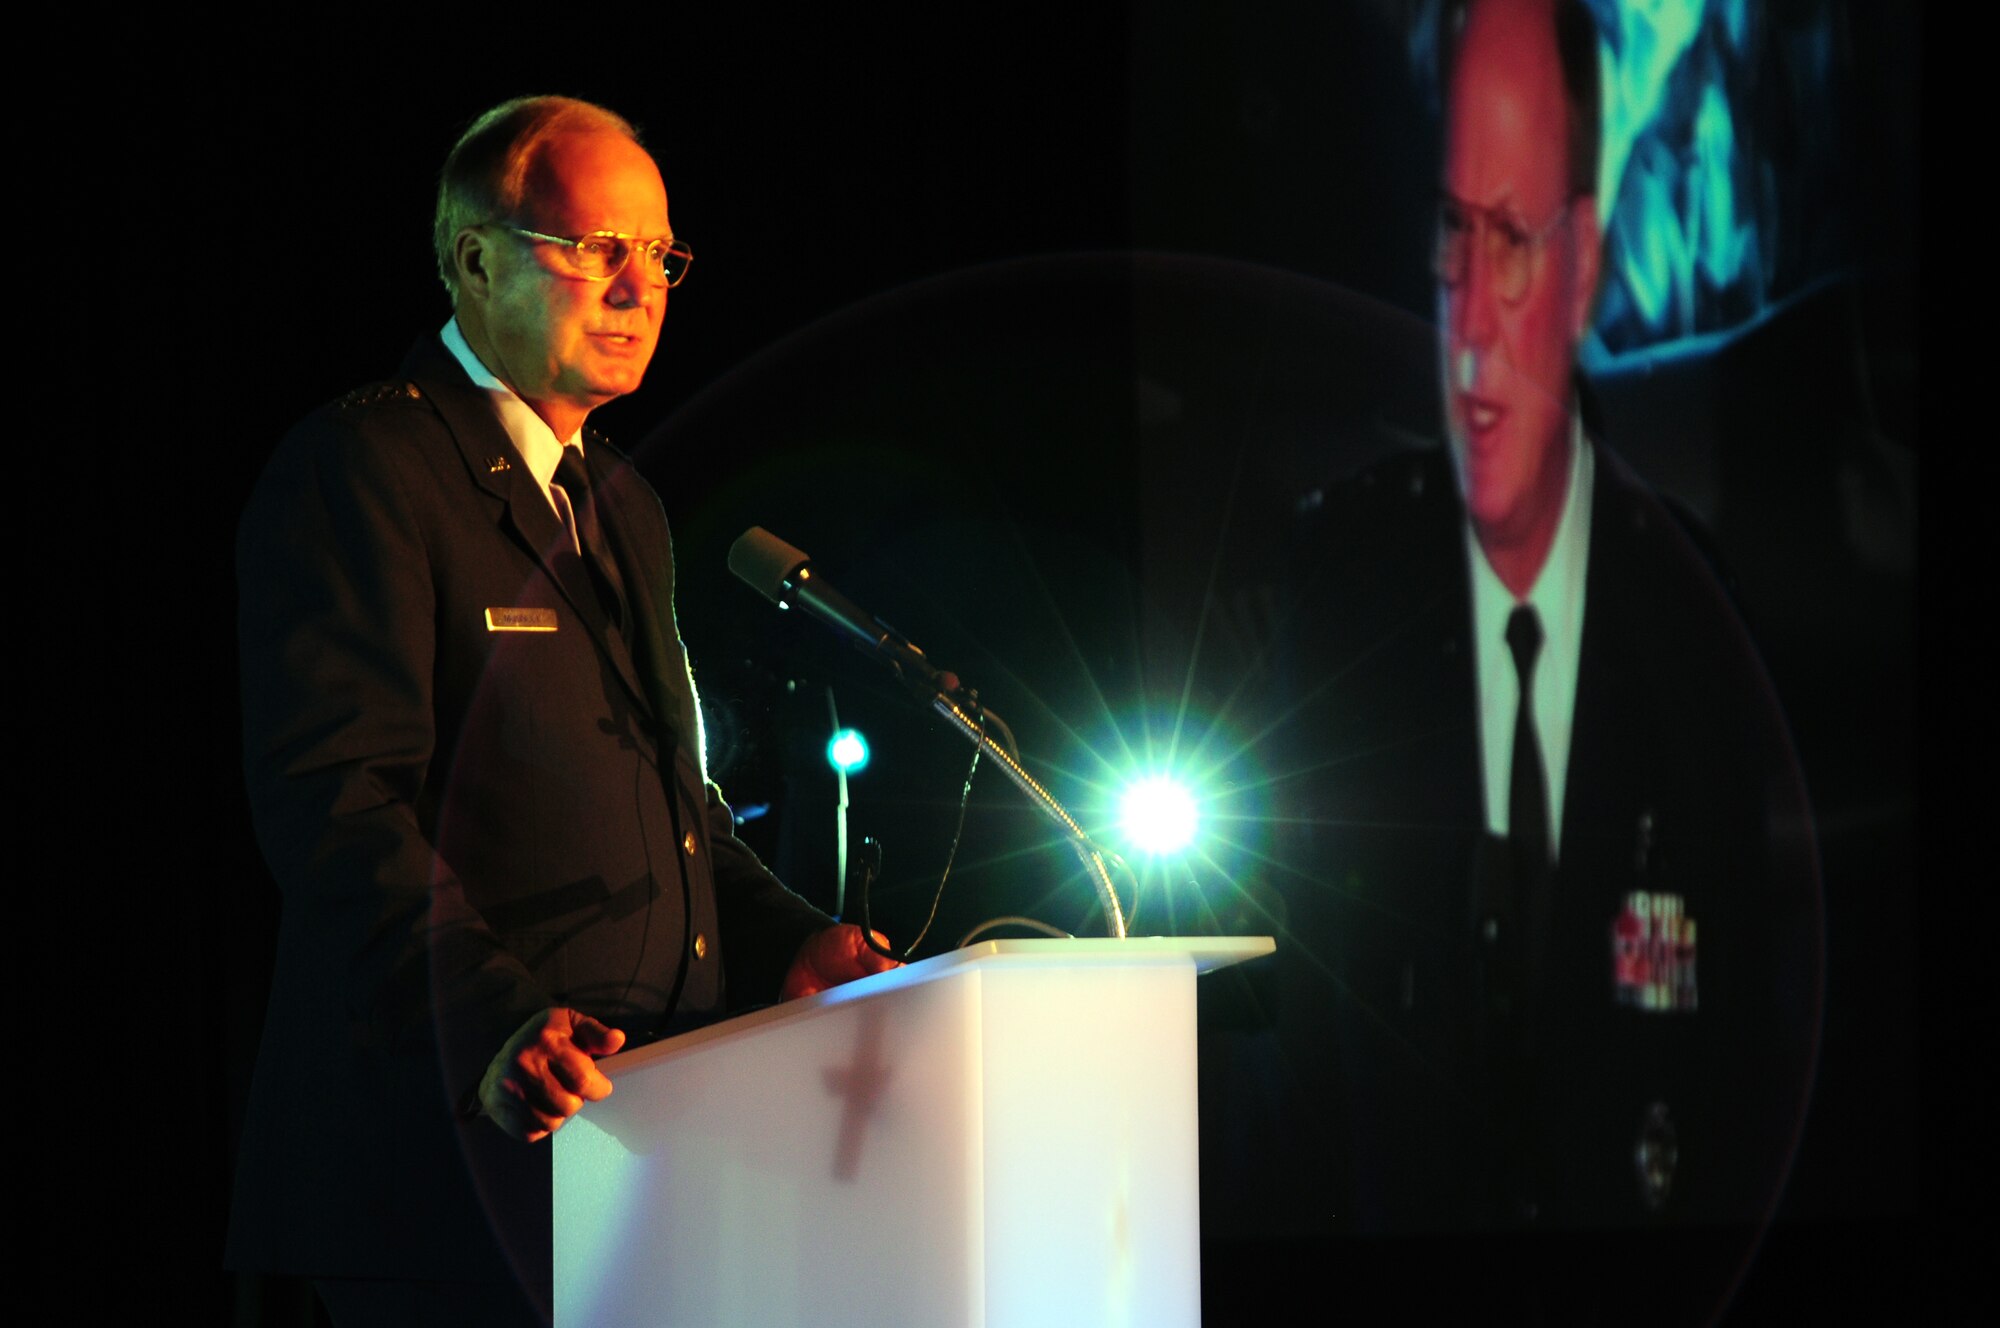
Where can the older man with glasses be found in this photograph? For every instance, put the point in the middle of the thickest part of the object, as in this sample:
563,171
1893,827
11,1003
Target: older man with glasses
474,755
1552,929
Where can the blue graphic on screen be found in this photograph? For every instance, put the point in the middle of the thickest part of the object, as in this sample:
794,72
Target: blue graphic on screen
1717,119
1716,179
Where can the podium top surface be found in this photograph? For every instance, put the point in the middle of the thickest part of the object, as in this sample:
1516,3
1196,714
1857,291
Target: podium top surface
1203,953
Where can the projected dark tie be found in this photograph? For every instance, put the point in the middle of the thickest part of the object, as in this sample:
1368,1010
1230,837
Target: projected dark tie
574,476
1527,792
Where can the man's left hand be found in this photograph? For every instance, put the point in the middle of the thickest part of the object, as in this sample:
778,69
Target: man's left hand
546,1072
831,957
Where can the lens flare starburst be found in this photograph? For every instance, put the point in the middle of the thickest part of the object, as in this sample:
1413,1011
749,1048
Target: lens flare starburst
1158,815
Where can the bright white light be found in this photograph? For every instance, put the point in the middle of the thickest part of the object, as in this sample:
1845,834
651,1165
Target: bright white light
1158,815
848,751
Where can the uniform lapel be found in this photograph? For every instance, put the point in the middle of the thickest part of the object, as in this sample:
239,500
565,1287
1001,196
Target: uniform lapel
647,567
494,465
1611,700
1447,666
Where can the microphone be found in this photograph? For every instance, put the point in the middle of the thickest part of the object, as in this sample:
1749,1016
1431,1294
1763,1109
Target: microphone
784,575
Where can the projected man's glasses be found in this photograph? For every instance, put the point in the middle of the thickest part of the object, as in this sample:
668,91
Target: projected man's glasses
1508,244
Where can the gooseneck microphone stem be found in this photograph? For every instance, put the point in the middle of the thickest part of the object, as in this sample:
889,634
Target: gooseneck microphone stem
784,575
1045,802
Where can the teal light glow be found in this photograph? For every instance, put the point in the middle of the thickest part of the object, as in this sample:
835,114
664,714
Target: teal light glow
1689,213
1177,796
847,752
1158,815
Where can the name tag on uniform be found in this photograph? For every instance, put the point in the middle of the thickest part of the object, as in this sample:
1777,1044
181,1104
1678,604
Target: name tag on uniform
520,620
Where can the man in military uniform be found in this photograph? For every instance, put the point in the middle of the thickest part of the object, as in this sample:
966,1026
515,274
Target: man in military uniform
1552,936
474,755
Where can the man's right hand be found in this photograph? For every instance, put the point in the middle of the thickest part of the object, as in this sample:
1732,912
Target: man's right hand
546,1072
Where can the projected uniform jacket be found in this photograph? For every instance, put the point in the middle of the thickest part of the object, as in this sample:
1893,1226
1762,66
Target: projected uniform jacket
1649,1066
479,800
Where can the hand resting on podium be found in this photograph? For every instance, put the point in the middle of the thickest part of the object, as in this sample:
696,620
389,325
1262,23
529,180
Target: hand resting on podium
833,956
546,1071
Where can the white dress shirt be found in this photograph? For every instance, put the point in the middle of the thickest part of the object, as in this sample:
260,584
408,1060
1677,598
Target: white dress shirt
530,433
1557,599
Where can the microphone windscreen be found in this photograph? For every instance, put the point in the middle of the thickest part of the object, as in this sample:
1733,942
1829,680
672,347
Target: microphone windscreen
764,561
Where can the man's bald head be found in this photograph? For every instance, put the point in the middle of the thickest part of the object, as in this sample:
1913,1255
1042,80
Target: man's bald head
1576,52
489,173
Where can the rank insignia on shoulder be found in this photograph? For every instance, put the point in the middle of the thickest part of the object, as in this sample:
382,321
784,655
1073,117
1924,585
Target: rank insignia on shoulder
376,393
1653,953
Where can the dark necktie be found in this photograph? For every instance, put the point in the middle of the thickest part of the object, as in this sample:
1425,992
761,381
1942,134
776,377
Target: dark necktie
1527,792
574,476
1528,837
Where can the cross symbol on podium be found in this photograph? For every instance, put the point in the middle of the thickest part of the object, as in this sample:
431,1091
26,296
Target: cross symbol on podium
861,1083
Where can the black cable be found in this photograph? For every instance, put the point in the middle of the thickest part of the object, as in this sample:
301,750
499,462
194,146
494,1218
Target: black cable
957,835
1013,920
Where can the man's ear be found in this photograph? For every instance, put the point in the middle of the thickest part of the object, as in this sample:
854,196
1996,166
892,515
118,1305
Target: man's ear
471,256
1588,238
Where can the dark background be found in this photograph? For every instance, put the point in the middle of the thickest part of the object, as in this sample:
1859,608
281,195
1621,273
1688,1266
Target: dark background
1031,326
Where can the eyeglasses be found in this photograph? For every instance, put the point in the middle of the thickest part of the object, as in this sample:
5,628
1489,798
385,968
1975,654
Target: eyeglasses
1510,245
602,255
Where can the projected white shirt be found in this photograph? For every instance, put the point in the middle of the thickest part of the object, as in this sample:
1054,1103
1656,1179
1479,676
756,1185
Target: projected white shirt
1557,598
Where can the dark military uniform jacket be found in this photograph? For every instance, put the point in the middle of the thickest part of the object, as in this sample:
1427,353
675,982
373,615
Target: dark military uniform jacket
1634,1050
479,799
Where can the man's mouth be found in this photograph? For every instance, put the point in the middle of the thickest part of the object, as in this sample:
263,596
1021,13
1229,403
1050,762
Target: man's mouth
1479,414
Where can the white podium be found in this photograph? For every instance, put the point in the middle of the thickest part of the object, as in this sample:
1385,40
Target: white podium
1001,1136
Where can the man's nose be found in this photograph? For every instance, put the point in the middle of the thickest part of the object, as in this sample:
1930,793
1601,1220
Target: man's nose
638,285
1476,305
